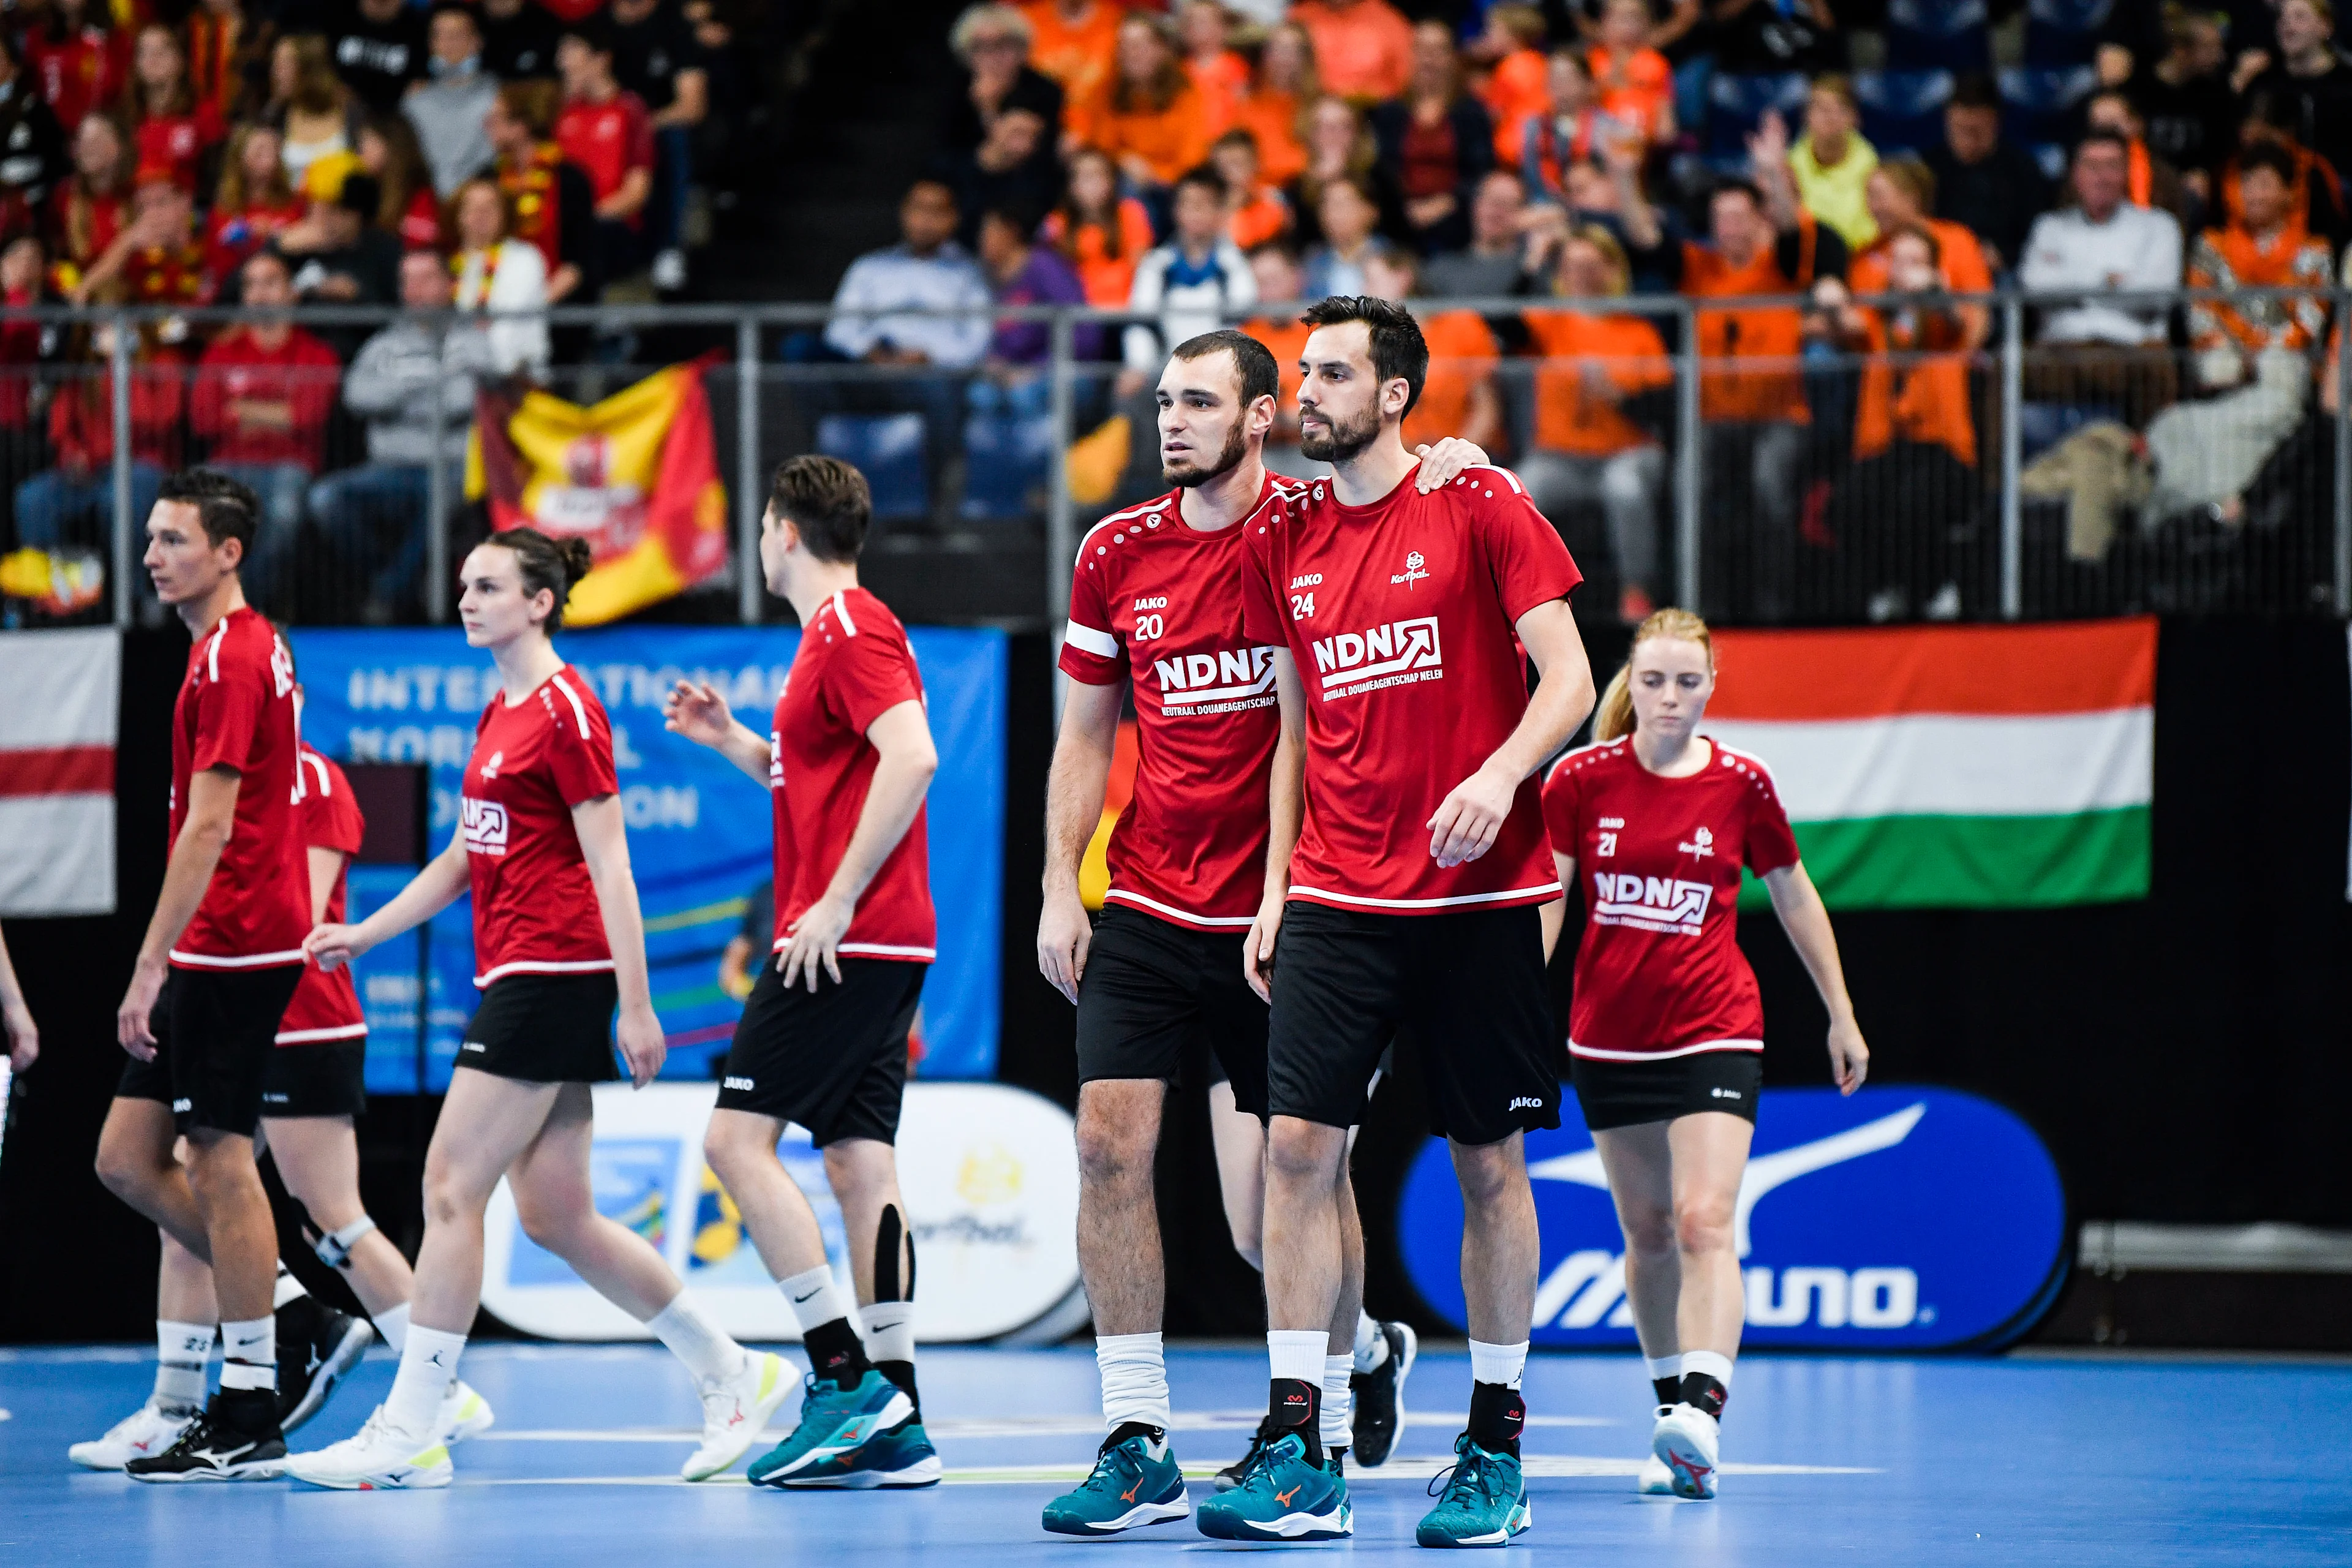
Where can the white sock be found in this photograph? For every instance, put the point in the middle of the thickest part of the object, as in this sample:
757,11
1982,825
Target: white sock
813,1297
249,1354
288,1289
1134,1380
1664,1367
1497,1364
1372,1346
392,1326
889,1331
428,1364
1297,1354
694,1338
181,1352
1717,1367
1337,1415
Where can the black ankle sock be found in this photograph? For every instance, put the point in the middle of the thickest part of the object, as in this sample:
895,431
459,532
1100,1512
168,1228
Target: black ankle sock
1703,1393
1669,1390
902,1373
1496,1415
833,1352
1294,1404
1126,1429
252,1411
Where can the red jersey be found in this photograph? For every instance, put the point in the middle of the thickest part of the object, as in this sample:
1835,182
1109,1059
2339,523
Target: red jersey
326,1004
854,665
1400,615
302,373
1160,604
178,141
607,140
230,237
535,909
1659,973
78,72
236,710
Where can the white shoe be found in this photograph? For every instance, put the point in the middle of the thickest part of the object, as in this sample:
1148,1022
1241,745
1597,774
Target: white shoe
1655,1480
464,1413
735,1411
379,1458
141,1435
1685,1442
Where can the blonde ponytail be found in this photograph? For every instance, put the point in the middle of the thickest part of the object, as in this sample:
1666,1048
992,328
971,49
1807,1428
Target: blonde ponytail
1613,718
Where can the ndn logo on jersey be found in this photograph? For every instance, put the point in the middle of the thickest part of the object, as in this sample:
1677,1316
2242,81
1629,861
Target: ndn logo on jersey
486,826
1899,1219
1650,903
1353,657
1225,675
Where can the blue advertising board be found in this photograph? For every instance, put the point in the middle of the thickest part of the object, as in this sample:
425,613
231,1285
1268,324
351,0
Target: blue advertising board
699,832
1898,1219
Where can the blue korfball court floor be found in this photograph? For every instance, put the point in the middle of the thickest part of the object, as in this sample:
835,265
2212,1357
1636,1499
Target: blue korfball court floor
2026,1459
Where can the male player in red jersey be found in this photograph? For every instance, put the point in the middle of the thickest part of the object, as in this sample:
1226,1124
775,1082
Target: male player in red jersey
227,935
823,1040
1413,890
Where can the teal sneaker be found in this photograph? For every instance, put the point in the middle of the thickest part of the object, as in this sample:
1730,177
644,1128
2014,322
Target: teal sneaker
1485,1502
898,1459
1132,1484
1284,1497
834,1421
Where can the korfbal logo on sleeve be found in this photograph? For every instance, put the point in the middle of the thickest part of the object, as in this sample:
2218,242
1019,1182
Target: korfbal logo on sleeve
1904,1219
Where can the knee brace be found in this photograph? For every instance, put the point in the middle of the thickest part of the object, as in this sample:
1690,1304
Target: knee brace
334,1249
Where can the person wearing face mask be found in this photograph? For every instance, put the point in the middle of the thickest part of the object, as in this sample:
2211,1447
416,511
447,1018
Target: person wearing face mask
449,108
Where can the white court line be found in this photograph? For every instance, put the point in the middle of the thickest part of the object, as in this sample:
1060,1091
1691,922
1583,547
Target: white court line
996,1427
1418,1471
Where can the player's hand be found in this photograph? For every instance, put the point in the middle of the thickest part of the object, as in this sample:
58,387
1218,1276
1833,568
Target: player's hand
23,1039
698,712
813,942
1443,463
132,1026
643,1046
1465,823
332,946
1064,934
1849,1057
1257,948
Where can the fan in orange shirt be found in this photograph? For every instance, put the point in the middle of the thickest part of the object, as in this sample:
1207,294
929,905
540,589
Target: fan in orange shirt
1280,283
1148,116
1362,48
1220,75
1074,43
1901,193
1636,84
1283,85
1256,212
1593,441
1518,84
1458,397
1101,234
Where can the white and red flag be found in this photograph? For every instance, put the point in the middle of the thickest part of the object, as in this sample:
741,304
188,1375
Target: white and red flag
60,695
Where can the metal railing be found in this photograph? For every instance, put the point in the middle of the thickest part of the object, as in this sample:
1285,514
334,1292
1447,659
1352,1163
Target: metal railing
1757,519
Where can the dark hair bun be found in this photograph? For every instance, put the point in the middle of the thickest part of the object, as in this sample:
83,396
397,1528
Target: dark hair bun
577,558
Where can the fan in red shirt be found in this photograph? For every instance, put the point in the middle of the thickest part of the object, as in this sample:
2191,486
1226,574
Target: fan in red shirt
557,944
822,1039
171,126
157,258
1402,619
92,204
255,200
1667,1034
79,61
604,129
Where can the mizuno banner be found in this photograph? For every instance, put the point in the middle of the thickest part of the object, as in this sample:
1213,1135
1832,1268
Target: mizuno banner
1899,1219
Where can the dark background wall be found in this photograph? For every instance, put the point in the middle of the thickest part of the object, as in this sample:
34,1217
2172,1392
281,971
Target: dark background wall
2182,1056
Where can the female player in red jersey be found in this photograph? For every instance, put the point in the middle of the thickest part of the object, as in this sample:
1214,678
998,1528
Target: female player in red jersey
559,942
1666,1036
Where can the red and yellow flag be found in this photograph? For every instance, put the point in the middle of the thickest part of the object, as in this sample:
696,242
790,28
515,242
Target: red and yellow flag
635,476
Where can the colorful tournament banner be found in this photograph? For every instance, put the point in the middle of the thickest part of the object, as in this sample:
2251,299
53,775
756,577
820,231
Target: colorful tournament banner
1895,1219
990,1175
699,830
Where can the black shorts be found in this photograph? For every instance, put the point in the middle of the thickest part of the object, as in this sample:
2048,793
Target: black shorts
545,1029
832,1059
215,1031
1468,985
328,1079
1150,987
1627,1094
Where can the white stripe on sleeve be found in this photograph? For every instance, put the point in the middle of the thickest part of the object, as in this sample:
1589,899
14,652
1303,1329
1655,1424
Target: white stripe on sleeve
1102,645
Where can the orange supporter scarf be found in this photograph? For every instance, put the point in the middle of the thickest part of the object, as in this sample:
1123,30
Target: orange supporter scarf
2143,176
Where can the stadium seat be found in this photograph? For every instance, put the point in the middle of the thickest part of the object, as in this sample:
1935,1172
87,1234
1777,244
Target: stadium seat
2063,33
888,450
1938,35
1903,109
1006,460
1734,105
2038,105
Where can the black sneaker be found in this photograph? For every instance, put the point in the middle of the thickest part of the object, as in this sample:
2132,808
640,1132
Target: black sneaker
1379,1397
316,1346
1232,1475
236,1440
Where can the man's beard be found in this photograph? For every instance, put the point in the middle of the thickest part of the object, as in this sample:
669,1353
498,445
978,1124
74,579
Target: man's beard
1187,476
1338,443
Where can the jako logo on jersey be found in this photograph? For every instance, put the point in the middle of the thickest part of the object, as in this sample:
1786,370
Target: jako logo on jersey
1413,571
1910,1219
1400,647
1225,675
1158,601
1701,843
489,770
735,1083
1524,1102
486,826
1650,903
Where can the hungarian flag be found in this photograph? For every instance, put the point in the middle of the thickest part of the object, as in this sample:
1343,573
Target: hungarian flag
57,771
1954,767
635,476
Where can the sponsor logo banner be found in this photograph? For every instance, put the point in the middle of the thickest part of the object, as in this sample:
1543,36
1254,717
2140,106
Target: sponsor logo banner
1900,1219
990,1175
